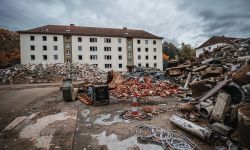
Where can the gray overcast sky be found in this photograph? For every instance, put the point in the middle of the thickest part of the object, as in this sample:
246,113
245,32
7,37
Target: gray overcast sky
189,21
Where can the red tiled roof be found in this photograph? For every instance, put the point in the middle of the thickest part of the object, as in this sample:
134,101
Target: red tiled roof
91,31
217,39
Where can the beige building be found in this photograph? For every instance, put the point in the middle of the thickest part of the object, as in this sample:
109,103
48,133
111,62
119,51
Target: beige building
107,48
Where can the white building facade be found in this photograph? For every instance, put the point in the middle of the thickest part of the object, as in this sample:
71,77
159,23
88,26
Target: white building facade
212,43
209,48
109,49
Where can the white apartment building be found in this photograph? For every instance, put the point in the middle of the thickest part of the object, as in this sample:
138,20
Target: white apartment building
212,43
107,48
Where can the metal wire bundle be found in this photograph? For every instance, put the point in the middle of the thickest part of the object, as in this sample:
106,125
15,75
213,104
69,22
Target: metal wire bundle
173,140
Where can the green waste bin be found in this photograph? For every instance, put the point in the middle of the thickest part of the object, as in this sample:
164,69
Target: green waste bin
67,90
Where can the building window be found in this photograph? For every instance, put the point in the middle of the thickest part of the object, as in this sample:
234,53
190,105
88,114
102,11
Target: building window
68,60
138,41
32,38
95,65
107,40
79,39
154,42
107,48
32,47
146,49
120,65
139,57
55,57
129,53
55,38
67,52
129,45
146,57
44,48
108,65
92,57
93,40
107,57
209,47
67,45
147,65
44,38
45,57
146,42
32,57
93,48
120,57
139,64
119,49
55,47
139,49
80,57
79,48
119,40
154,57
154,49
155,65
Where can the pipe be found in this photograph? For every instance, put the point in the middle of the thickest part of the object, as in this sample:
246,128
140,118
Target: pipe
185,88
206,111
198,131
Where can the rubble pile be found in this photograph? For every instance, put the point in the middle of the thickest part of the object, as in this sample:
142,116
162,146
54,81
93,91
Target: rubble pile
217,86
231,53
143,86
44,73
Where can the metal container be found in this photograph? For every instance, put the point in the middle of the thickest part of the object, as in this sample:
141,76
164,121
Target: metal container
244,124
100,94
67,90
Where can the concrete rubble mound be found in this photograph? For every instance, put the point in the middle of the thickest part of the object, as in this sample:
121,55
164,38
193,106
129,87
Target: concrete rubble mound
44,73
217,87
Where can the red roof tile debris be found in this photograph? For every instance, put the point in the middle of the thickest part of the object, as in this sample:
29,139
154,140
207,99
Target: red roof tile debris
217,39
91,31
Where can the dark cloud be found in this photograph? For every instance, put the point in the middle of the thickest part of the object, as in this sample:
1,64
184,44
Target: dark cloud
177,21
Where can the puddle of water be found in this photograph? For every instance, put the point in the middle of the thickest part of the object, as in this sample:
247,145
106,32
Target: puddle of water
102,120
113,143
33,131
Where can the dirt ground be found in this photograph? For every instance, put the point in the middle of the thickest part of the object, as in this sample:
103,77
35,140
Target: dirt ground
73,125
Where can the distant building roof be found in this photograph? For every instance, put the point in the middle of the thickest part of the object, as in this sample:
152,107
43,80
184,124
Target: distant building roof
217,39
91,31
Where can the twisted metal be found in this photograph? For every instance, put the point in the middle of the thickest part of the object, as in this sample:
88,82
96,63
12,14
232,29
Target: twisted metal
169,139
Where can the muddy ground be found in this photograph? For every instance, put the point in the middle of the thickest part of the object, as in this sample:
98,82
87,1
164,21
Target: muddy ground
73,125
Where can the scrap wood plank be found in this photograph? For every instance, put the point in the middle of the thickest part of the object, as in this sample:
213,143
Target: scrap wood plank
14,123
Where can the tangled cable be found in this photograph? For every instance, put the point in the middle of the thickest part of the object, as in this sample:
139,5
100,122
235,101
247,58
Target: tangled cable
173,140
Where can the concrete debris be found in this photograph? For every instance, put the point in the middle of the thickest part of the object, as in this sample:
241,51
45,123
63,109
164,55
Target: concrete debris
221,129
45,73
15,122
219,111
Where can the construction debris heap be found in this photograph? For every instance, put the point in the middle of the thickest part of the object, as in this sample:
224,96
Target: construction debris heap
44,73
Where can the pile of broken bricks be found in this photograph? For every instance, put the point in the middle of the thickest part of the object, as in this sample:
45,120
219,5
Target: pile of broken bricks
142,87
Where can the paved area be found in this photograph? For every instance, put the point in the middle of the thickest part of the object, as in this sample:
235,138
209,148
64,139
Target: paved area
52,123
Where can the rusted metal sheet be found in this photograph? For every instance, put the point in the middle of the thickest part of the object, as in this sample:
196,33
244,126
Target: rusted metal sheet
196,130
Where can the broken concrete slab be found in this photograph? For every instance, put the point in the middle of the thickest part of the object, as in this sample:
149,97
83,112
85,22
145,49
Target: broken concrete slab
221,128
14,123
223,100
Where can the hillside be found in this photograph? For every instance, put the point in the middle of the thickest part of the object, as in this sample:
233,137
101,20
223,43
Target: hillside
9,48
